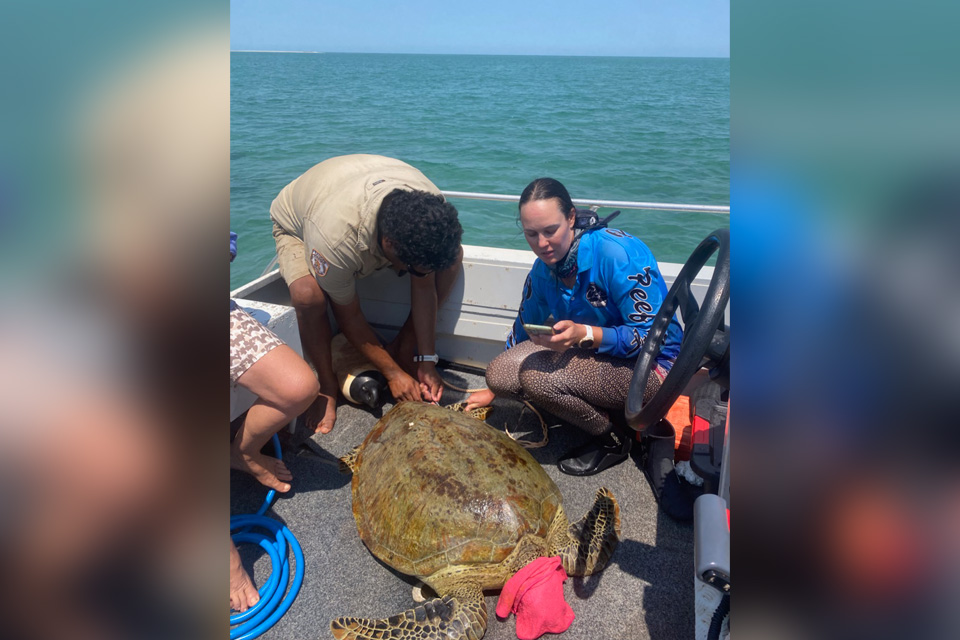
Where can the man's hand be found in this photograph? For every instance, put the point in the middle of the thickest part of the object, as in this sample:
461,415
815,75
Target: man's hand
403,387
431,385
477,399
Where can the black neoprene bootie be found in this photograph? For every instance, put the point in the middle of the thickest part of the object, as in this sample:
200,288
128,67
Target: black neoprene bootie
660,442
601,453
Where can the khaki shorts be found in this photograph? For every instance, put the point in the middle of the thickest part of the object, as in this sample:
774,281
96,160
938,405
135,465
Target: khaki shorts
249,341
291,255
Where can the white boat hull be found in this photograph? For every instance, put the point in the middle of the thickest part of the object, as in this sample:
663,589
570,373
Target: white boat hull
472,324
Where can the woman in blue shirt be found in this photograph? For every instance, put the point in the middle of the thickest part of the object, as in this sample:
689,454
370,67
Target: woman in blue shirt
600,290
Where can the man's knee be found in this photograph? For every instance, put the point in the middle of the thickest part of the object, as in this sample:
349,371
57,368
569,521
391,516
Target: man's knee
306,294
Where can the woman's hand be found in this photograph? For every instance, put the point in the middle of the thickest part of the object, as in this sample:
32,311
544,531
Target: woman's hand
478,399
567,333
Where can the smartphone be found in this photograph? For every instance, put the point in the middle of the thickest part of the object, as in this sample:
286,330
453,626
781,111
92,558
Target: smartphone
538,330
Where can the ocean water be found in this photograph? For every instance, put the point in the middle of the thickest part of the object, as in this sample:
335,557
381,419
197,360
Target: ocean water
647,129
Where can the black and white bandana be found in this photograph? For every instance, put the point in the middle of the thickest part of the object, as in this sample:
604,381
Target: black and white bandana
567,266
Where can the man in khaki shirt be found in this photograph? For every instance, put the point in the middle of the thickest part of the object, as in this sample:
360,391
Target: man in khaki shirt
344,219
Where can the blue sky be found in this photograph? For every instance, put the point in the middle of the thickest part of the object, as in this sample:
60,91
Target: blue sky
698,28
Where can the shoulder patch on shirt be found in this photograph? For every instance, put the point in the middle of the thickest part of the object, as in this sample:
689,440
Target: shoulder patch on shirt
319,263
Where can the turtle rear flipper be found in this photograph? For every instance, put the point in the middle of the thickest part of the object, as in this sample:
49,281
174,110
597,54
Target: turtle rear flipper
460,615
588,543
348,463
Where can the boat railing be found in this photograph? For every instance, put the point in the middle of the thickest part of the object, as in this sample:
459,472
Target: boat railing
587,202
580,202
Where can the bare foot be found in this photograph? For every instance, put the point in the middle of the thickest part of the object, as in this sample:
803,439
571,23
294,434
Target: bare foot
322,414
243,593
270,472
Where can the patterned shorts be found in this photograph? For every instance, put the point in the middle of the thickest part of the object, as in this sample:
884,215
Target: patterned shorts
249,341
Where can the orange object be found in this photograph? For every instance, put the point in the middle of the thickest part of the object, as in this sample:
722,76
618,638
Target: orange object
681,417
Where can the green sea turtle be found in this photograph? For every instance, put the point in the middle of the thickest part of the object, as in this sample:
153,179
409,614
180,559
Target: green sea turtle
444,497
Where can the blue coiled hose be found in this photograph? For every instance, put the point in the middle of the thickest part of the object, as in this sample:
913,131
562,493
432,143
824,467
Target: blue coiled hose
273,603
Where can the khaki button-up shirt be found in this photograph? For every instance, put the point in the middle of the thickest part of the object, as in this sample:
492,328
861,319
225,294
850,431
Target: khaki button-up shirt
334,207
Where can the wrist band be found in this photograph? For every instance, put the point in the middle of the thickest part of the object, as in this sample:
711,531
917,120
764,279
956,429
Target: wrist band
587,342
431,358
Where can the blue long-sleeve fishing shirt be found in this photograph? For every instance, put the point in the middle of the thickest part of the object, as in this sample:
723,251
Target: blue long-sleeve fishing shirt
618,288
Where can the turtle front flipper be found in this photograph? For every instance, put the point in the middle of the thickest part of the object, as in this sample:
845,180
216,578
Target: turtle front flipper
586,545
460,614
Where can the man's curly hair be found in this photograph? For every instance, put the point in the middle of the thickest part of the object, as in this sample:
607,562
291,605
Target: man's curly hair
423,228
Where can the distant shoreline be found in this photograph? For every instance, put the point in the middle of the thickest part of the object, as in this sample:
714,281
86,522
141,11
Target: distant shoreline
269,51
519,55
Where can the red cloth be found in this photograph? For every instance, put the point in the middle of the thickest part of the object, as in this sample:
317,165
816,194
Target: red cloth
535,595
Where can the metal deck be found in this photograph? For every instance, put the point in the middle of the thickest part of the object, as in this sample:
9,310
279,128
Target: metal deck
644,593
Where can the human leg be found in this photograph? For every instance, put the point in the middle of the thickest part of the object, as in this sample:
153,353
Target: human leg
586,388
577,384
284,386
404,345
503,373
313,323
310,304
243,593
447,278
611,447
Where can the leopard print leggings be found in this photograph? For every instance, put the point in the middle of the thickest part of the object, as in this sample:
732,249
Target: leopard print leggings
579,385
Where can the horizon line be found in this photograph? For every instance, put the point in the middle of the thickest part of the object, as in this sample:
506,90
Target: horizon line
544,55
272,51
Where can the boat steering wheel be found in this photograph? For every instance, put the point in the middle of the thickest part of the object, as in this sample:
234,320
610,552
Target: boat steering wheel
705,341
